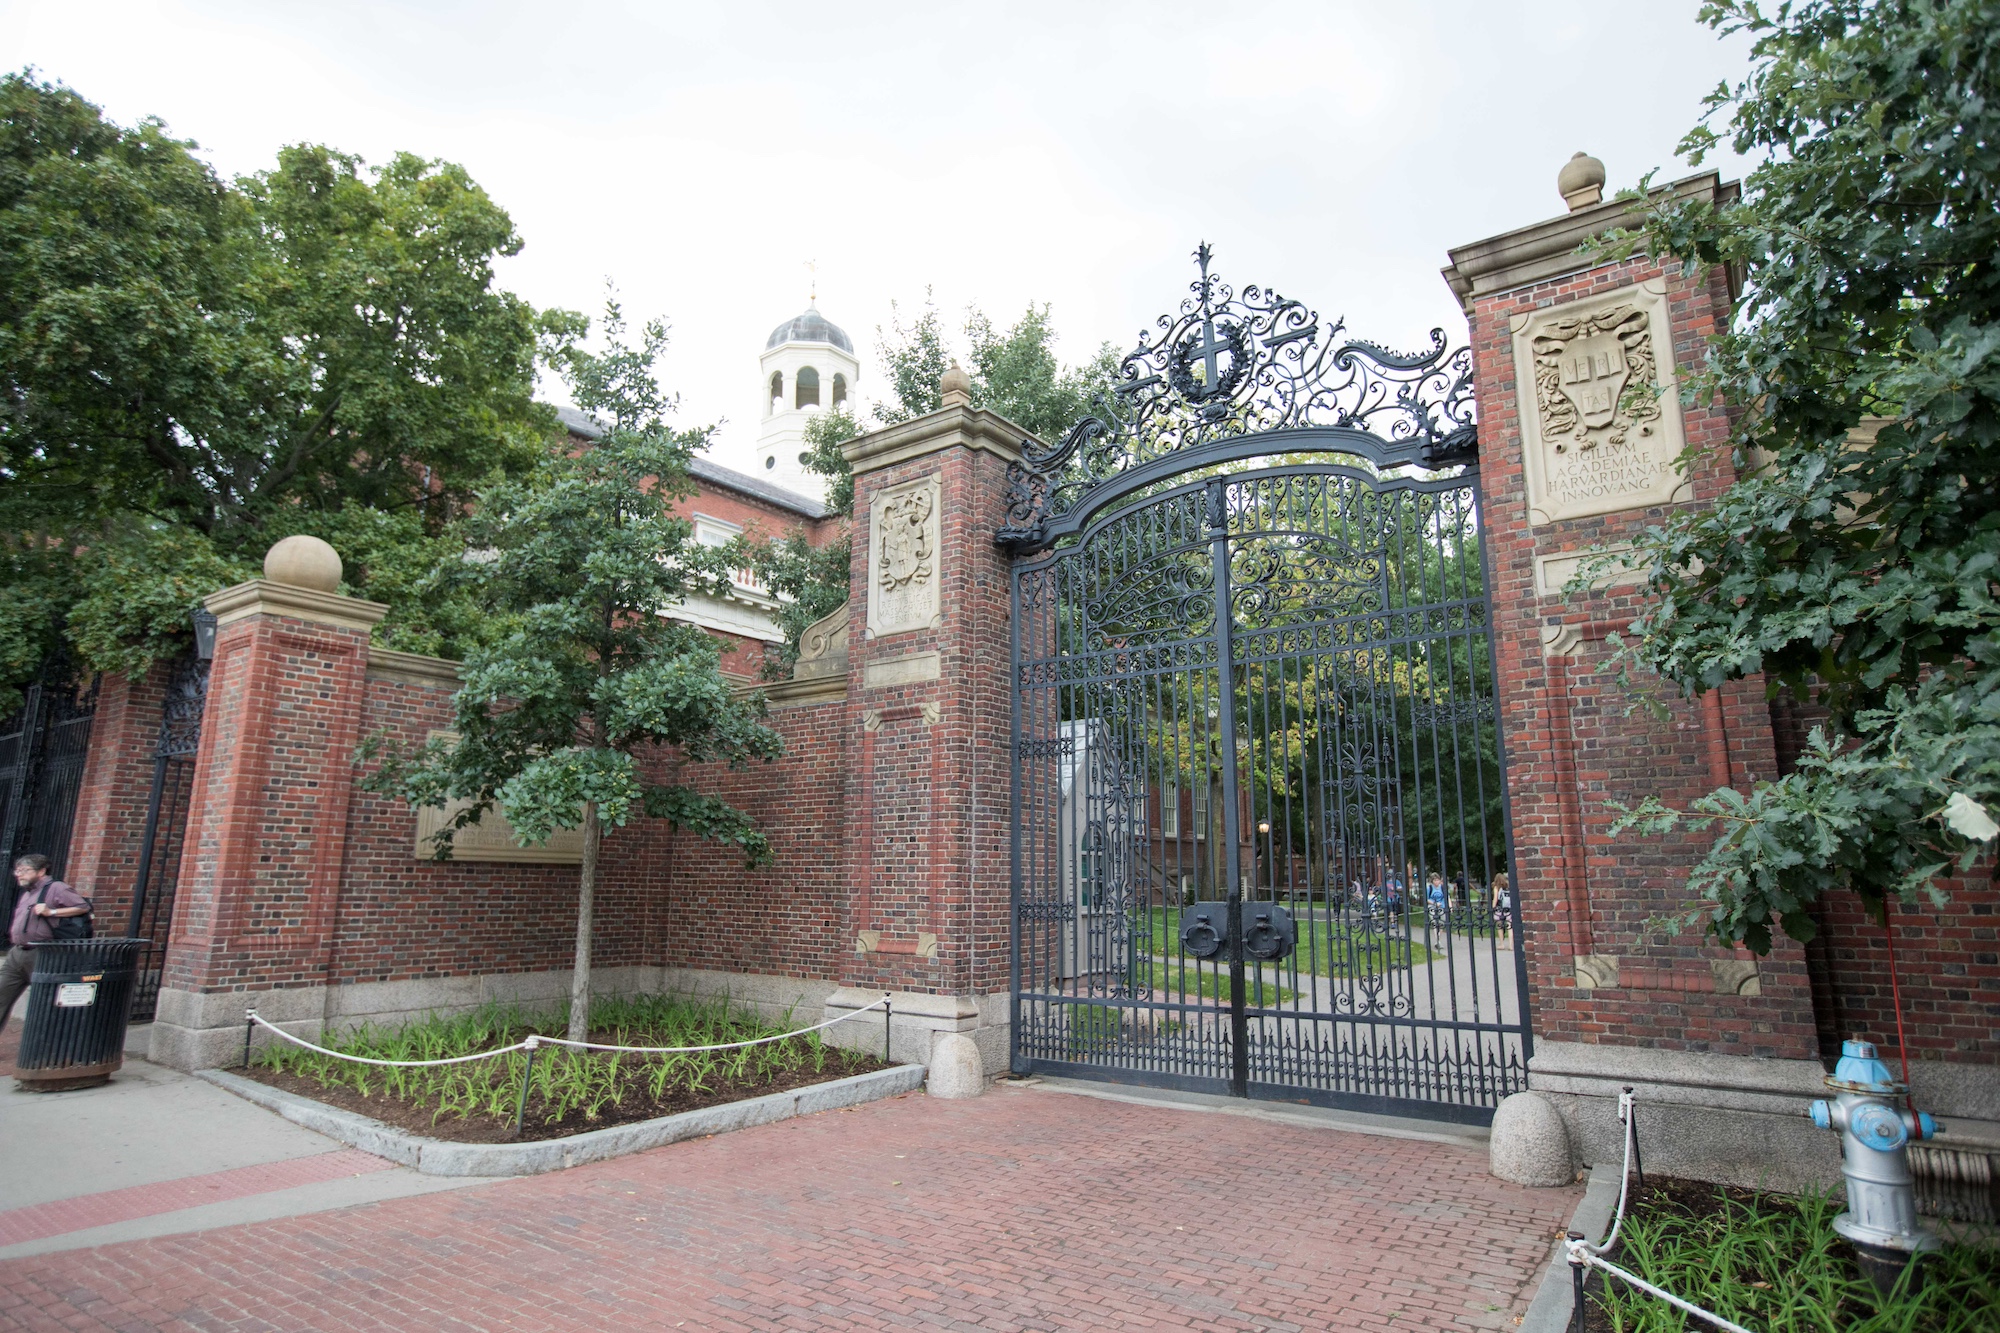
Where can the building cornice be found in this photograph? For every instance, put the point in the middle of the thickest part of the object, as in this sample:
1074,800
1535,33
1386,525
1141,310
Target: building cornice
792,693
261,597
964,427
1550,249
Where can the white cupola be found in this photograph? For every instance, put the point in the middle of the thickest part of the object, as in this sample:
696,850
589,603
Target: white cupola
808,366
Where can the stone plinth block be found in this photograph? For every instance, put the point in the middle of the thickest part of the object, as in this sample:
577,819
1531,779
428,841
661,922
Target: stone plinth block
956,1070
1530,1144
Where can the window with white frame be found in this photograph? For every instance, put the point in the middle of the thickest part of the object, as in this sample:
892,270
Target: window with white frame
1200,804
1170,810
720,532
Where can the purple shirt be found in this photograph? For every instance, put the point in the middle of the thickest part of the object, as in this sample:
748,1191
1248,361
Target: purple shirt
31,929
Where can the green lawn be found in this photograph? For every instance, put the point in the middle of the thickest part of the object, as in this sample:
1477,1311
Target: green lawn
1325,948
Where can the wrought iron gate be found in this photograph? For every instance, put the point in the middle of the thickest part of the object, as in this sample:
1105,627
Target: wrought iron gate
166,827
42,751
1251,666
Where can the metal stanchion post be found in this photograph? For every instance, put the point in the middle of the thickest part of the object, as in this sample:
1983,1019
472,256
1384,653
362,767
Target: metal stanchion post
521,1103
1576,1289
888,1035
249,1022
1638,1162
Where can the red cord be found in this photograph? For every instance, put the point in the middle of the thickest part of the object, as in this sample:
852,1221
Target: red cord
1896,991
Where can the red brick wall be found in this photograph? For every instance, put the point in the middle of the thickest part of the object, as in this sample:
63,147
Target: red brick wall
402,917
110,827
705,910
1574,746
1947,962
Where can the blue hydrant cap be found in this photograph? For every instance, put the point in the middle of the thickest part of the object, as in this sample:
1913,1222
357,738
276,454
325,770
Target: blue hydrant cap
1859,1068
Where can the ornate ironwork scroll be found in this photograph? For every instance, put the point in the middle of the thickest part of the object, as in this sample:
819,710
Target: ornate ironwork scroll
1226,366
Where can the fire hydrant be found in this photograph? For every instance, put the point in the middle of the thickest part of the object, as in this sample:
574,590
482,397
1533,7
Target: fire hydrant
1881,1216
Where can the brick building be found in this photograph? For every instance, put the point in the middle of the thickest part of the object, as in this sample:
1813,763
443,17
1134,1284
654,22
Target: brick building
728,504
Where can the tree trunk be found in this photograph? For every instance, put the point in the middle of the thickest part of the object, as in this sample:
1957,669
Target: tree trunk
579,985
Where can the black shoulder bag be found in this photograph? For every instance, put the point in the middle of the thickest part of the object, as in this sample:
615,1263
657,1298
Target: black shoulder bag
69,927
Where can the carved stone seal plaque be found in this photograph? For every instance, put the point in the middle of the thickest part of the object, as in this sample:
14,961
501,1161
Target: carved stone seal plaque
1600,411
903,558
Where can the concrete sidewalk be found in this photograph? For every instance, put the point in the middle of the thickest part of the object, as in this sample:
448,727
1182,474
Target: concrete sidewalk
158,1153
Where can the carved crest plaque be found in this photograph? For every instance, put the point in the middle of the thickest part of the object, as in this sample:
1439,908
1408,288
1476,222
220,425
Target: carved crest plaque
903,558
1600,412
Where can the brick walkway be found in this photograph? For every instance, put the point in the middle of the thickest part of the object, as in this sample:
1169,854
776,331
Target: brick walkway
1025,1209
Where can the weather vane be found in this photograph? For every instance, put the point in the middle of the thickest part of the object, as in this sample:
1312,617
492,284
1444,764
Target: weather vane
812,273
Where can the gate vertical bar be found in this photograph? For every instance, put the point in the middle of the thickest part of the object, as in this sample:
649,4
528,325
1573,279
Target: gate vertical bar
1019,818
25,760
1225,681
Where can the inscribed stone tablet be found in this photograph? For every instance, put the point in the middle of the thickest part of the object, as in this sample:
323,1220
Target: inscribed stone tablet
1600,411
903,558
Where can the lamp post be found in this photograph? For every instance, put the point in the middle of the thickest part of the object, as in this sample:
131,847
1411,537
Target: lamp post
204,633
1270,868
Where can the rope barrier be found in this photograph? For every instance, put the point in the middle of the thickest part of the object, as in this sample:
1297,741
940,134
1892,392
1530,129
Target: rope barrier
723,1046
533,1041
1596,1261
253,1016
1582,1254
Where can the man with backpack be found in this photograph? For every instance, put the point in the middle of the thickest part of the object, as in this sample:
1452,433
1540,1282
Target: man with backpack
43,910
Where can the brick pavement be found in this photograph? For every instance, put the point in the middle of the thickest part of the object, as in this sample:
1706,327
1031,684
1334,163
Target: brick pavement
1024,1209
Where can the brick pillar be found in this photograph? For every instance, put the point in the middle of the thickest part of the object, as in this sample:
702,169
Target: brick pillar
1571,462
111,798
267,820
928,715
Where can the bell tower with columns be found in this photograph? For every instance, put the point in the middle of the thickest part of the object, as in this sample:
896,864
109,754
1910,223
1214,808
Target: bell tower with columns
808,365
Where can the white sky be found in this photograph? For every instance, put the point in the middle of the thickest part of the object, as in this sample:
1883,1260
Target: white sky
1074,153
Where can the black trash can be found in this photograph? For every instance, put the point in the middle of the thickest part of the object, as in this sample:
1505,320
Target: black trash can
79,998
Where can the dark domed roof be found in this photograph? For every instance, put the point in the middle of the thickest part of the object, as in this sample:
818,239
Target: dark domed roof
811,327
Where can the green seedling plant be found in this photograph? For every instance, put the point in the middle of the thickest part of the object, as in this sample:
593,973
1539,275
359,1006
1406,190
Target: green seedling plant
1775,1264
565,1085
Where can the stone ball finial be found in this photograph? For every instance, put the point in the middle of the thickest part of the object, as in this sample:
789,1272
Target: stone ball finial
303,562
955,387
1581,181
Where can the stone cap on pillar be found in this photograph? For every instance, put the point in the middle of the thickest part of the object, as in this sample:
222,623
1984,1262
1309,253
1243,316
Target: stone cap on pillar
300,576
1545,250
958,423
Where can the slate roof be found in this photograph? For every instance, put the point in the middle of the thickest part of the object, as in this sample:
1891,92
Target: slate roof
701,469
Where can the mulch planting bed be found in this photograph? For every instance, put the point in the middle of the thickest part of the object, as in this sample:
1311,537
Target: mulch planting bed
636,1105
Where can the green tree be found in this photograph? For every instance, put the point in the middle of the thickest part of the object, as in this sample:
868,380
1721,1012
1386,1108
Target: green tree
193,368
587,684
1016,374
1858,572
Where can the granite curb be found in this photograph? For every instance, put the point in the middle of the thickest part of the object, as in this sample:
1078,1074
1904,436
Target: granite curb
435,1157
1554,1303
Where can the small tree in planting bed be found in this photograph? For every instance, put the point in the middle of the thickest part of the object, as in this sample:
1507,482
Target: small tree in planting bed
580,559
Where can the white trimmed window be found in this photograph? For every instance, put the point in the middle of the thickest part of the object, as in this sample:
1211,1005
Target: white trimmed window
1170,810
720,532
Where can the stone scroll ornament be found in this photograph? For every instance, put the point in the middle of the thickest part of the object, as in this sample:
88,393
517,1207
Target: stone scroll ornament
1225,368
906,539
1583,369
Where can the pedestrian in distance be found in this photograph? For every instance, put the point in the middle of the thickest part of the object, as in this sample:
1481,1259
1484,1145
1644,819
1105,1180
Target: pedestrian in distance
40,902
1503,910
